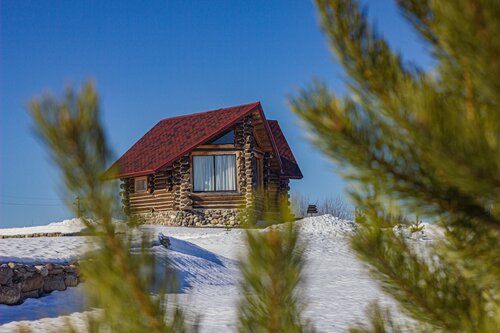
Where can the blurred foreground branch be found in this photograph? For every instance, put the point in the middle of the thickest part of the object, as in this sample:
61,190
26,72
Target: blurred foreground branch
116,280
420,143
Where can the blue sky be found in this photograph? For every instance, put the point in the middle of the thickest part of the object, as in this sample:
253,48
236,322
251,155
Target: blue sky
156,59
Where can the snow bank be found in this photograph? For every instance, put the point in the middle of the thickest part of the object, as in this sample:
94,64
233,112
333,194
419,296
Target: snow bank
41,250
66,226
329,225
326,225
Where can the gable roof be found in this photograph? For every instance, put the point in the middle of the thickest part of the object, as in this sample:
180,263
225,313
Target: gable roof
290,168
174,137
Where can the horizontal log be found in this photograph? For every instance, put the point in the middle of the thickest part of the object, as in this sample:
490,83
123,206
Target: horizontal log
148,210
151,203
151,199
158,194
150,206
219,203
226,198
216,206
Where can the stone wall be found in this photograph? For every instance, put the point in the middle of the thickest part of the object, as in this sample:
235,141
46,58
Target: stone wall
43,234
19,281
181,177
244,139
194,218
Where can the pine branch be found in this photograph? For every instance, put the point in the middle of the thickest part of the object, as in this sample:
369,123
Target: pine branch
429,143
117,281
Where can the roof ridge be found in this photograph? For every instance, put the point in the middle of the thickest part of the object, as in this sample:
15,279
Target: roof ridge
209,111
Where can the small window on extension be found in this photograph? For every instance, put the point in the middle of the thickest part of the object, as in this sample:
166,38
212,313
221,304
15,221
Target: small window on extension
226,138
141,184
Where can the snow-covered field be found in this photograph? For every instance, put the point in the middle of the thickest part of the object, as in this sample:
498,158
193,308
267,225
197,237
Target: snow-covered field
337,285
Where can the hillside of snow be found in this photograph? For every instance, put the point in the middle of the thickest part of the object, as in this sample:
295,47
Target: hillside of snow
337,286
66,227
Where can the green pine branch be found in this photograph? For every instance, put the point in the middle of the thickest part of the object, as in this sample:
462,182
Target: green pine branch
425,142
271,282
117,281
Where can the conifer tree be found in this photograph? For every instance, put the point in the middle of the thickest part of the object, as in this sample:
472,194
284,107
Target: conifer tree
271,281
117,280
416,141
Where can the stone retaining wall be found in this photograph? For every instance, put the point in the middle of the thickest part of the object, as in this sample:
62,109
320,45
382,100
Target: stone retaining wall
19,281
194,218
42,234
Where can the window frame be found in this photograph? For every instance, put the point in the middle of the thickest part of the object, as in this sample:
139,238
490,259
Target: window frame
137,179
214,175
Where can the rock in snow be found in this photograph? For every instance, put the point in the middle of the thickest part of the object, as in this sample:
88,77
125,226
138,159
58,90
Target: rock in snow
164,240
5,274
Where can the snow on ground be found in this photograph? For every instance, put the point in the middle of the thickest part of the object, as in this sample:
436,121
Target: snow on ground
66,226
337,285
326,225
40,250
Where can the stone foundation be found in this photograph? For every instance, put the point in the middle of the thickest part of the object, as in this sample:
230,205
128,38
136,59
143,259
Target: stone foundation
19,281
194,218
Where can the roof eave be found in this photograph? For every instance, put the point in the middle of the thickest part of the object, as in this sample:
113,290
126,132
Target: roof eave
136,174
271,137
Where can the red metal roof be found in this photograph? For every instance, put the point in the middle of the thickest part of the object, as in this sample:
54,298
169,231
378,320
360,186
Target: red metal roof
173,137
290,168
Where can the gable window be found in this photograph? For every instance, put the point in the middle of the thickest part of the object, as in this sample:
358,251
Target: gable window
227,138
140,184
214,173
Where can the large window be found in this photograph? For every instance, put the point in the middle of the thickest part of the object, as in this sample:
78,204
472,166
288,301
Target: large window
214,173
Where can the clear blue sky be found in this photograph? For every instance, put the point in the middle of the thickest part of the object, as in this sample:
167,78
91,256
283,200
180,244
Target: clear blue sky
156,59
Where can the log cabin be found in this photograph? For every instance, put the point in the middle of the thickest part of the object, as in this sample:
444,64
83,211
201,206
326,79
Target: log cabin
208,169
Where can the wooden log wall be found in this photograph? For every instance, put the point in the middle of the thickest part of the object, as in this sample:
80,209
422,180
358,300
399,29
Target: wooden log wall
249,155
266,178
273,193
126,187
217,201
284,196
239,143
144,202
158,197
